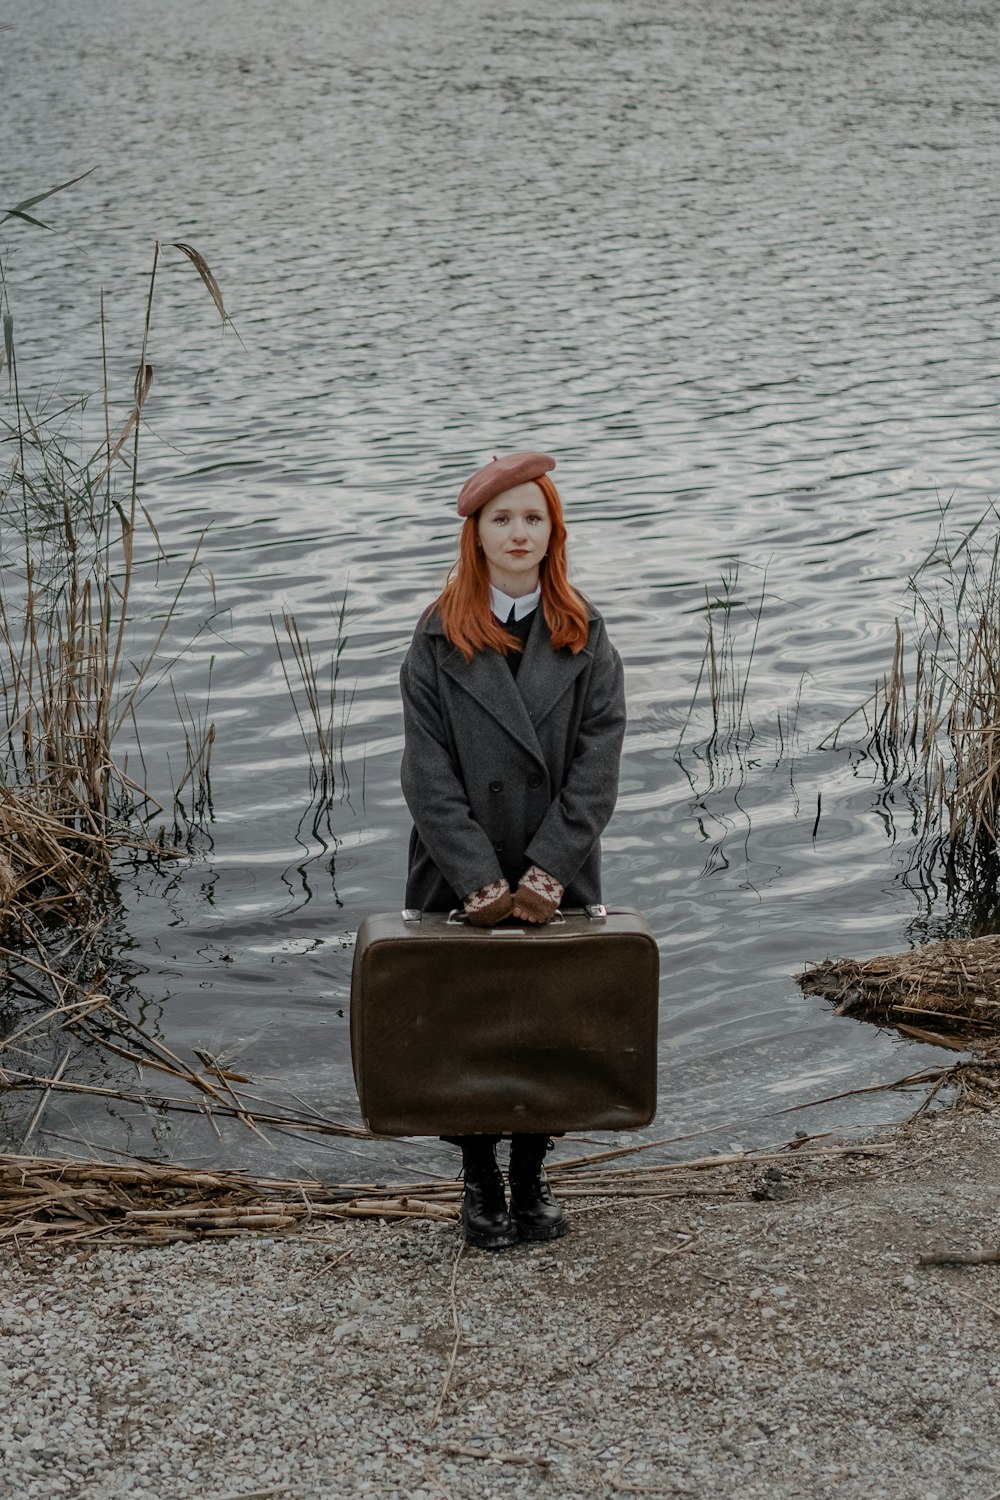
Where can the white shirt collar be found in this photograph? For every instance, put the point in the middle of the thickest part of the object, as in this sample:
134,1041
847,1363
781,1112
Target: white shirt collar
502,602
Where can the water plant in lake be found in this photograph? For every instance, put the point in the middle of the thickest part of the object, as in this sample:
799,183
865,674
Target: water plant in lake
88,597
322,714
932,723
78,656
723,678
724,739
72,673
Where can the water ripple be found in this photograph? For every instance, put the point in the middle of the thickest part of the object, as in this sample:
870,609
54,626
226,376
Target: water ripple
730,264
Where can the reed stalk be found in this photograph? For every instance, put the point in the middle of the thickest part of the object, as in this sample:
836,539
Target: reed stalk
321,710
78,659
62,1200
724,673
72,531
932,722
68,683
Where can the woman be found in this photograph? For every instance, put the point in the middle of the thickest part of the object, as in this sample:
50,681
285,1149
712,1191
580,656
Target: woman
514,715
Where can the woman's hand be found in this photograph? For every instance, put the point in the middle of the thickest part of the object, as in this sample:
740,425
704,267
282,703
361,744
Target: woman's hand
488,906
537,897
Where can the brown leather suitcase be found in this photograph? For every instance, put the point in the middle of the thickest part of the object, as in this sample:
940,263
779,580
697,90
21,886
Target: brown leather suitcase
458,1029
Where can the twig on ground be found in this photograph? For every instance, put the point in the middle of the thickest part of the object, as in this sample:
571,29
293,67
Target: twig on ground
274,1489
718,1280
437,1486
665,1254
981,1301
623,1333
960,1257
615,1479
458,1336
328,1265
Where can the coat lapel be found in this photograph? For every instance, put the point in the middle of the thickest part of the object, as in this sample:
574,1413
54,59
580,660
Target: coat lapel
488,679
520,705
545,675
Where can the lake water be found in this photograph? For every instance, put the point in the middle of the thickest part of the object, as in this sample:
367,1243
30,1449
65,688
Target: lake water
733,264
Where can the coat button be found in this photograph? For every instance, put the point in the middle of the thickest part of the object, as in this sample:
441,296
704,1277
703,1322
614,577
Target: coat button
496,786
535,779
498,846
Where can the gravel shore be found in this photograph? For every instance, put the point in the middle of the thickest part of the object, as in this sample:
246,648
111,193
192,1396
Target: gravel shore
769,1334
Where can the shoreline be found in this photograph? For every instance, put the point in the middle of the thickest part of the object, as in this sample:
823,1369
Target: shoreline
767,1331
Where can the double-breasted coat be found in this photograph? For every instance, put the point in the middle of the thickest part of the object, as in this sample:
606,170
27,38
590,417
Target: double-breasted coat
502,773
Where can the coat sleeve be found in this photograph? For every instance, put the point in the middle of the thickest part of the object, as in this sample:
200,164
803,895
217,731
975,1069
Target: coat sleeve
433,789
578,815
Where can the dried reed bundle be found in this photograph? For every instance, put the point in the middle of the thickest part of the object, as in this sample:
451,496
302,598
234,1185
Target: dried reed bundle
49,863
63,1200
953,985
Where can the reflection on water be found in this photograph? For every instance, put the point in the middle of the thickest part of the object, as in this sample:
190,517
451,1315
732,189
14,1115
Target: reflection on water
731,265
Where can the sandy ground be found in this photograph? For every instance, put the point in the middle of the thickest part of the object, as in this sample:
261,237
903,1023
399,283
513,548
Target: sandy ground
771,1333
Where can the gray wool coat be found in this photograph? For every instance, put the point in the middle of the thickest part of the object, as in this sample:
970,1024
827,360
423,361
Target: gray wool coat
499,773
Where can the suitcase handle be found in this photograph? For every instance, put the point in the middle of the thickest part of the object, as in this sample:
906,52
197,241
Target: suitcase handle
596,912
458,918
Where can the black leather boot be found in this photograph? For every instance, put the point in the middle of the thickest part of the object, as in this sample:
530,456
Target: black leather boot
536,1214
485,1218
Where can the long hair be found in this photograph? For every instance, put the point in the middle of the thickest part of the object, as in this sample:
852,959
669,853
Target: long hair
464,604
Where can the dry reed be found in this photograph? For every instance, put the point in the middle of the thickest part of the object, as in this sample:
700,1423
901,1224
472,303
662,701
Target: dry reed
76,664
933,720
951,989
323,714
946,994
70,677
61,1200
722,675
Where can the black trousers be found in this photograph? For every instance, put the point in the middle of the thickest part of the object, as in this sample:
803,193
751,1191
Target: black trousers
526,1143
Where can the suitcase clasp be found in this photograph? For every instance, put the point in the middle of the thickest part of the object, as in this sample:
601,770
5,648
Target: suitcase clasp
411,914
597,912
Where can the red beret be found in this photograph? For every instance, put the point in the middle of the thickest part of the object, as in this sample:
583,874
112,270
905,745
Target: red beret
502,474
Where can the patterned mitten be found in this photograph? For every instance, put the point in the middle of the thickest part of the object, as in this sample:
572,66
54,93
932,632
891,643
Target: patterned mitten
538,896
487,907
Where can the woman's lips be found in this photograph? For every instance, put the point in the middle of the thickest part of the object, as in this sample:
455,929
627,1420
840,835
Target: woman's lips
518,552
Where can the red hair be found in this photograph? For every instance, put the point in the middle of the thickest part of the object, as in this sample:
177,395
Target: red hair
464,604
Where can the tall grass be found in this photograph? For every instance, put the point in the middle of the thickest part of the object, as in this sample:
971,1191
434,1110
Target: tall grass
72,529
724,675
321,711
933,719
78,658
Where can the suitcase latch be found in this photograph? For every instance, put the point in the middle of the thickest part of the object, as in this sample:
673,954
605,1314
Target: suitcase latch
411,914
597,913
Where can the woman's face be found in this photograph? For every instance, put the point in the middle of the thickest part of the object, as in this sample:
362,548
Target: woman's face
514,531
